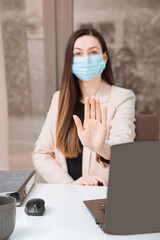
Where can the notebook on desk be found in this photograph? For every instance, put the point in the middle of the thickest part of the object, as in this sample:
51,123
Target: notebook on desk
16,184
133,199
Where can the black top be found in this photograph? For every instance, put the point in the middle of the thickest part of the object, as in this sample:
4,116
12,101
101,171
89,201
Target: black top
75,164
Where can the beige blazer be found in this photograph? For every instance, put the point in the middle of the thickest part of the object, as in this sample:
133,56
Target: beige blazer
51,163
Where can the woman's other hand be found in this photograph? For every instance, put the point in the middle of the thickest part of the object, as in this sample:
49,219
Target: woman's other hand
88,180
93,133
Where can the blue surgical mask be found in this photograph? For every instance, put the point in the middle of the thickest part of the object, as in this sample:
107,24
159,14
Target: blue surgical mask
89,67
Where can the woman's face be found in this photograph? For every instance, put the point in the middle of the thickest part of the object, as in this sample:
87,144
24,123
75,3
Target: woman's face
87,46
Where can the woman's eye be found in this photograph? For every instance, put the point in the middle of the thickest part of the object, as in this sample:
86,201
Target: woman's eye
77,54
93,52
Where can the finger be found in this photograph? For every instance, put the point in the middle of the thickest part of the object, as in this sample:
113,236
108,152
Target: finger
86,182
93,108
104,183
97,179
94,181
104,117
98,111
79,181
100,180
87,114
83,181
78,123
91,180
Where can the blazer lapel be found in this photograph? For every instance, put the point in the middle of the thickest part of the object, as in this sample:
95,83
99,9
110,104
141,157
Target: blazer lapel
103,92
86,161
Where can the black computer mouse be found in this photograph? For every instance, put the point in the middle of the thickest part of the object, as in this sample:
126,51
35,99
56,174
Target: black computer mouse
35,207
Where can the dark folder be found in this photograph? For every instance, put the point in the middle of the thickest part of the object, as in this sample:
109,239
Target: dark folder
17,184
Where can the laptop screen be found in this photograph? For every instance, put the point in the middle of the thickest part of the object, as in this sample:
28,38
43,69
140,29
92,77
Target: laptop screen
133,193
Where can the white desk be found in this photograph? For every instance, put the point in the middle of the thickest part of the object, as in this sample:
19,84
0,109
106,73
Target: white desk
66,216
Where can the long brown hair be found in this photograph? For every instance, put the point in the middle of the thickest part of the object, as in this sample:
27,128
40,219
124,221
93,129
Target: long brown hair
67,140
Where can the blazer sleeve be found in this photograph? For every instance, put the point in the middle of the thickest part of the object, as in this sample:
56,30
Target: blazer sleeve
122,127
43,156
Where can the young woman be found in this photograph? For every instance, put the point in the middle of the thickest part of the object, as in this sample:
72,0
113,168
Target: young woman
86,117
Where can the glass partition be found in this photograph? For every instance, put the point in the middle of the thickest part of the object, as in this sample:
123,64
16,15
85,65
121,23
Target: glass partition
22,32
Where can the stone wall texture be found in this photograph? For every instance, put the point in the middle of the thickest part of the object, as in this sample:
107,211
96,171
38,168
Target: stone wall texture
23,49
132,33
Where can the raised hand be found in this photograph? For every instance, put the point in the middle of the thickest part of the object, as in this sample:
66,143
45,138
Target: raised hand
93,133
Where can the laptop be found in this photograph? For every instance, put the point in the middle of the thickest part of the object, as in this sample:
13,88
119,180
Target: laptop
133,198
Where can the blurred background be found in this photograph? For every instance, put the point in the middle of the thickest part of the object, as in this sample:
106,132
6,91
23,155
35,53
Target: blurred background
33,37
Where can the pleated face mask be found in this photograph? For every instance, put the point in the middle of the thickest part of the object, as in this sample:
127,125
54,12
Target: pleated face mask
89,67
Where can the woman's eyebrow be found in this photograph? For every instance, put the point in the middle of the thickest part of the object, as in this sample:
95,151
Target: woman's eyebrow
93,47
77,48
88,48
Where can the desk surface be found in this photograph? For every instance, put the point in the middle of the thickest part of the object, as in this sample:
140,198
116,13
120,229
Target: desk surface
66,217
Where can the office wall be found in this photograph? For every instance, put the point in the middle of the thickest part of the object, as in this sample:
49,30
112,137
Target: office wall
132,33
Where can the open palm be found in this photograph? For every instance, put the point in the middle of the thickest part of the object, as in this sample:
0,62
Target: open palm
93,133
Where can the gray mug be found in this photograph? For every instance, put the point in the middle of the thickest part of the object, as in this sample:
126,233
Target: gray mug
7,216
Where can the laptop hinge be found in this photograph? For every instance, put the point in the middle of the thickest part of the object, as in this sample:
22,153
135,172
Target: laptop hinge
100,225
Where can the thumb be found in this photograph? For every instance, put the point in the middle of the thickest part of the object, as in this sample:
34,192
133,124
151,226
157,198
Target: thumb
78,123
